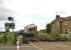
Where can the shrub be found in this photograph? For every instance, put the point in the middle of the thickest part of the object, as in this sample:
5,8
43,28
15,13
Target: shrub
62,37
1,39
51,37
42,36
10,38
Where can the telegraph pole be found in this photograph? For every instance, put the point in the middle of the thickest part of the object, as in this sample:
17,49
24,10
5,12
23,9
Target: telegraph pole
13,29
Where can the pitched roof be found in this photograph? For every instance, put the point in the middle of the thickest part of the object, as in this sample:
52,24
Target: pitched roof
67,18
30,26
63,19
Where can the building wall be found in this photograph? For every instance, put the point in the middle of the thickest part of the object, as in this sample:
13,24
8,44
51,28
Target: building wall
67,26
55,26
61,25
30,28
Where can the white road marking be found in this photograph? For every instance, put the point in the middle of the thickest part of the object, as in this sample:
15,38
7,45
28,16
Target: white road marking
18,44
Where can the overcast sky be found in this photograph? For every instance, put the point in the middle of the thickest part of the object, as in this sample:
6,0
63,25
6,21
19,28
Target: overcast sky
38,12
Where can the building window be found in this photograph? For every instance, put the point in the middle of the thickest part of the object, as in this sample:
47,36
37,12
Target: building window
66,32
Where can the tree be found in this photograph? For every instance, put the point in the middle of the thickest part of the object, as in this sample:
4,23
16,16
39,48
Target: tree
43,30
48,28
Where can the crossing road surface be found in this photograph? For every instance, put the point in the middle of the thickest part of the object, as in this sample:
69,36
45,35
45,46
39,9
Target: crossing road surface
8,48
39,46
52,45
22,47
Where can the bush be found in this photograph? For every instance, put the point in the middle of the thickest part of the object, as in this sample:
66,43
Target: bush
42,36
51,37
62,37
1,38
47,37
10,38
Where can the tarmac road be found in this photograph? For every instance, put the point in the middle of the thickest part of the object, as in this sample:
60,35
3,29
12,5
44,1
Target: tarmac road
39,46
8,48
52,46
22,47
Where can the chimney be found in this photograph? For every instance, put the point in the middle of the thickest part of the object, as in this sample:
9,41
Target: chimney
57,16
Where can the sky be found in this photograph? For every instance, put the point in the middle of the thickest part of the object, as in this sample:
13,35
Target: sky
38,12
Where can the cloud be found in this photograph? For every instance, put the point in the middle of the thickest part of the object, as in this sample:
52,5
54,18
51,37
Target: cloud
1,1
4,12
